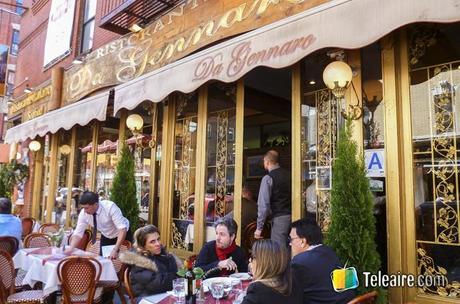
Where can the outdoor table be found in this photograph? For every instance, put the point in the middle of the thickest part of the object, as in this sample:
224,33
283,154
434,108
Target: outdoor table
208,299
40,265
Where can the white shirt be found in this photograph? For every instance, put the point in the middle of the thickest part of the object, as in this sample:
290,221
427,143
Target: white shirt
108,217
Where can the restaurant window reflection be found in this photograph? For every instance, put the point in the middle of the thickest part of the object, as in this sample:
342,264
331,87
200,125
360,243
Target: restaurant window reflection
141,144
435,110
62,178
82,169
374,141
220,154
185,144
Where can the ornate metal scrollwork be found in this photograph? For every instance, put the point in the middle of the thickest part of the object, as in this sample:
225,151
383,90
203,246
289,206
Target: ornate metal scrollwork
221,162
444,155
427,267
421,39
176,240
326,145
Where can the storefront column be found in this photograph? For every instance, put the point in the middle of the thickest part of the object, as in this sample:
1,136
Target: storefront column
53,175
153,162
354,96
296,154
94,156
167,167
198,218
70,176
37,182
394,164
239,135
122,131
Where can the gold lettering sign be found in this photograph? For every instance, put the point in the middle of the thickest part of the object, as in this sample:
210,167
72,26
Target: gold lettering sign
34,112
178,33
29,100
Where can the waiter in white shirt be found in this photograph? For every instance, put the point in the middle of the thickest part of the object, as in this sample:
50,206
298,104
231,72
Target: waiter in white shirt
103,216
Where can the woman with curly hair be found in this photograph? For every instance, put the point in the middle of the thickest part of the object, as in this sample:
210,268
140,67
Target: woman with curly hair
152,268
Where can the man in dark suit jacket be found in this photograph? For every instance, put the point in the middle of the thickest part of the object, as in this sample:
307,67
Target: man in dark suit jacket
223,255
312,264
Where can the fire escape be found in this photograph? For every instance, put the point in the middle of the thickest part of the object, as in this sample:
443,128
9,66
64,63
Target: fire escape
119,16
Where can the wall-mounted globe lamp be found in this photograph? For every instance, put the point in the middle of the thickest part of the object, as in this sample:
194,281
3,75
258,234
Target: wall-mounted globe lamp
338,76
64,149
34,145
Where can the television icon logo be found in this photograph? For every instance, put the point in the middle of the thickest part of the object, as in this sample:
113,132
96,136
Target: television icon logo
344,279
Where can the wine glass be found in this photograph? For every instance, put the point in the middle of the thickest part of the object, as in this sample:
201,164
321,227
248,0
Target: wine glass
179,290
217,291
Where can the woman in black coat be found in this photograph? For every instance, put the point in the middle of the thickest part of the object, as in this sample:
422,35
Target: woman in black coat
273,282
152,268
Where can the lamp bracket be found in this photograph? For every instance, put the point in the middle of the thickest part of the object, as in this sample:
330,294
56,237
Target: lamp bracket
337,54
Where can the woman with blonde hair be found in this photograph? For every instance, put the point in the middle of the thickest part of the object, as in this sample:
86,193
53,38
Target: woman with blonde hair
152,268
273,282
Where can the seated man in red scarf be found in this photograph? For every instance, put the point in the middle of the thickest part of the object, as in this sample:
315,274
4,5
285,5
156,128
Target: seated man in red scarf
223,255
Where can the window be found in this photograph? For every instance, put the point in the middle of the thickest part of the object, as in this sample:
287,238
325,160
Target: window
10,79
15,42
19,8
88,25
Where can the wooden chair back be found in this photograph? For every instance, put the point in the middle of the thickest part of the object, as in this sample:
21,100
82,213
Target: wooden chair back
79,277
85,239
127,283
9,244
6,275
49,228
94,248
248,234
28,224
367,298
37,240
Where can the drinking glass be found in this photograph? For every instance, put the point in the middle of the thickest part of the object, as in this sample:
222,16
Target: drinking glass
239,297
237,291
179,290
217,291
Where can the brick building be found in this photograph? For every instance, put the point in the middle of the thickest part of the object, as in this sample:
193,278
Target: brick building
10,16
201,89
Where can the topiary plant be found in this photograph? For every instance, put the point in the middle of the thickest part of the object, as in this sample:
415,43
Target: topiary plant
123,191
352,230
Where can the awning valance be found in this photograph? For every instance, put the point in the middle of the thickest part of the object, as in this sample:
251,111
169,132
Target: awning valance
79,113
345,24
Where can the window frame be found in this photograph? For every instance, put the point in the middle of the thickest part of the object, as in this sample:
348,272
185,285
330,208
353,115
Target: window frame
87,20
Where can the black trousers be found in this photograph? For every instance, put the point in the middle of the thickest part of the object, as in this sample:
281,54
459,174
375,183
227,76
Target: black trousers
106,241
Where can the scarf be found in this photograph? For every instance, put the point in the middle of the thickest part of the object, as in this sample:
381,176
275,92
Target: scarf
222,254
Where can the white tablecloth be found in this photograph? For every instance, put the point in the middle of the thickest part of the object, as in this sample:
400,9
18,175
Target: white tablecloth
37,271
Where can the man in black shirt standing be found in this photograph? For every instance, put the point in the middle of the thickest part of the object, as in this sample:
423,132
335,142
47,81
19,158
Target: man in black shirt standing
274,199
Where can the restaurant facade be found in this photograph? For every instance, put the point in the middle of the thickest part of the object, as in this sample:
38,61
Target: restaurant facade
200,97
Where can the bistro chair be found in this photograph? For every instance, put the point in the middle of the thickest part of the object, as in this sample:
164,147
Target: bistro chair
7,286
367,298
248,234
85,239
28,224
9,244
37,240
127,285
49,228
110,286
79,277
94,248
